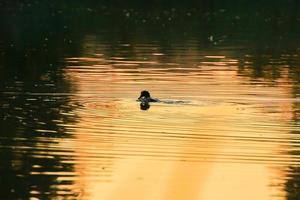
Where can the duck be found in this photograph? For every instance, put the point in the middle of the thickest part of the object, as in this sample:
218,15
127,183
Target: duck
146,98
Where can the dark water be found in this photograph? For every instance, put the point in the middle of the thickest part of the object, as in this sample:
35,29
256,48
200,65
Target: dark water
228,126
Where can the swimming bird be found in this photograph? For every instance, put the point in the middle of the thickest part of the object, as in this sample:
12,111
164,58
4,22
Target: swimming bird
146,98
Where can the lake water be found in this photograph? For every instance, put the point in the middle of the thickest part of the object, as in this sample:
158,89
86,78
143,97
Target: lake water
71,127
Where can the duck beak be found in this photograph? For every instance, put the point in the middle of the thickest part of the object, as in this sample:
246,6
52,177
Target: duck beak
141,98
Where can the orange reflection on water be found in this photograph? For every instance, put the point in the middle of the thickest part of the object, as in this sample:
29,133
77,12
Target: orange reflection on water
238,181
218,145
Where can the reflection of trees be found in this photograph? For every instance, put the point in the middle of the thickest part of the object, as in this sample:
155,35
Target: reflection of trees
270,67
30,124
293,181
292,185
25,152
35,36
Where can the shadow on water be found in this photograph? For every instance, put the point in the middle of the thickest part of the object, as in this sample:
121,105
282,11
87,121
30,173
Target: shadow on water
36,37
267,65
30,166
32,114
30,127
292,185
144,106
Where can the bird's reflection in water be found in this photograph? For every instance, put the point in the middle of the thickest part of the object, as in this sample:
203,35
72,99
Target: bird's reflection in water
144,105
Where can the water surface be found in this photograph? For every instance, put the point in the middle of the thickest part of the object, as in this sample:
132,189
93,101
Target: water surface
71,127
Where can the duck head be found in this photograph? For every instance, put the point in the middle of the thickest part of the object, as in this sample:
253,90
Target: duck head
144,95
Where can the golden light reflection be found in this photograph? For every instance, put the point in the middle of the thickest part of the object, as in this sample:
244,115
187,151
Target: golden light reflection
219,145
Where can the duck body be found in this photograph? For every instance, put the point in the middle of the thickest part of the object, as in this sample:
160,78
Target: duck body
146,98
